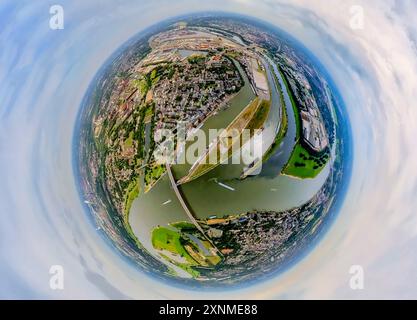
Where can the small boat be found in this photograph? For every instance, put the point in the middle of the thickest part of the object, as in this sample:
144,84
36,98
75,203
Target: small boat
166,202
225,186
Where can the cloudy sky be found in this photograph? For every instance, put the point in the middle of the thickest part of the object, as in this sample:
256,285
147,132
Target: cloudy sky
368,47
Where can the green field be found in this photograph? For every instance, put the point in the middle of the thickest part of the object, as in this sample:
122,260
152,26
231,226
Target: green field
169,240
131,194
303,164
166,239
180,245
129,140
152,175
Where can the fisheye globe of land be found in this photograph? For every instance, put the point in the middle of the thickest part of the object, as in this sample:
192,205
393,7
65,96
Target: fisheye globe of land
211,150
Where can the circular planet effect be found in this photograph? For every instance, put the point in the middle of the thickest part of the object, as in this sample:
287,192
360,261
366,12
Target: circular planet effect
45,74
229,223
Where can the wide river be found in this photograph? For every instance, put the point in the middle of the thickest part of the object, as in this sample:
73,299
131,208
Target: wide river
268,191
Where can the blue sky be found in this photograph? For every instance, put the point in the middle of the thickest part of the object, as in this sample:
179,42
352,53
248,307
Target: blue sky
45,73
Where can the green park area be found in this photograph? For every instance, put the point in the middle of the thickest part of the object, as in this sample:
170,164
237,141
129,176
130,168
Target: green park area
153,173
303,164
182,250
132,193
